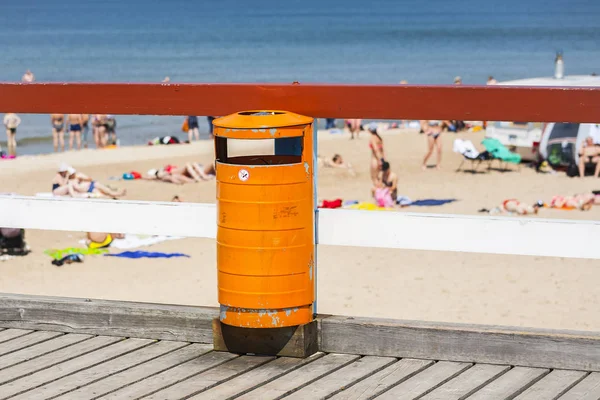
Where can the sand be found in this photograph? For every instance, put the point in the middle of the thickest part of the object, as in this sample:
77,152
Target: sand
420,285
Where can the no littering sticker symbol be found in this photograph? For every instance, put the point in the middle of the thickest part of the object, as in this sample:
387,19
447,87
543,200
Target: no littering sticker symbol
243,175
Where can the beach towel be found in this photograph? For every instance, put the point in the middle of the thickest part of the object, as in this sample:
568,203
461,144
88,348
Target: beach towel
498,150
57,254
431,202
145,254
133,241
466,148
368,207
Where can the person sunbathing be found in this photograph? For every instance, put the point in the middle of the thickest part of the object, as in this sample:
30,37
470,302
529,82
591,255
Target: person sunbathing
335,162
97,240
191,172
83,186
578,202
61,179
516,207
589,153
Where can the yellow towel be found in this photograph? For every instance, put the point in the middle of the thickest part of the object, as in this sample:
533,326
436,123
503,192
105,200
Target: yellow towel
368,207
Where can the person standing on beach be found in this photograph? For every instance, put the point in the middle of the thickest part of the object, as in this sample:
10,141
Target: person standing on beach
192,121
210,120
110,127
11,122
58,131
354,126
377,154
75,122
433,130
85,128
98,129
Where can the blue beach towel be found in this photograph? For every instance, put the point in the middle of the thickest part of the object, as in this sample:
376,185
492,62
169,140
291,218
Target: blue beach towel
432,202
146,254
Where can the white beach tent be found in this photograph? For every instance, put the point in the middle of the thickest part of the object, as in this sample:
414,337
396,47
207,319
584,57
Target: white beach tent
561,141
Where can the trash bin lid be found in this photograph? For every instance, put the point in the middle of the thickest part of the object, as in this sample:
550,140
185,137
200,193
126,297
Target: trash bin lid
261,119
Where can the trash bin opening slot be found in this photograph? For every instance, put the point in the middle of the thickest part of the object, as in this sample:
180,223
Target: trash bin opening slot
259,151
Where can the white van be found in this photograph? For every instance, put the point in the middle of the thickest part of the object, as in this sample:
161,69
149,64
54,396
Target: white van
525,137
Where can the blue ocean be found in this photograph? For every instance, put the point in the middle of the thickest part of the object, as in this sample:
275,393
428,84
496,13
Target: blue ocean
338,41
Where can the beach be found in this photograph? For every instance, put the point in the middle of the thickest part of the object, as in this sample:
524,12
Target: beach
402,284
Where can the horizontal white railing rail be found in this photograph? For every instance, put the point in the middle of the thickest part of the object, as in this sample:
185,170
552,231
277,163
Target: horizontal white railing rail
399,230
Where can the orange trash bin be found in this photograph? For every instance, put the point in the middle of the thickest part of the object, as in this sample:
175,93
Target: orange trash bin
265,226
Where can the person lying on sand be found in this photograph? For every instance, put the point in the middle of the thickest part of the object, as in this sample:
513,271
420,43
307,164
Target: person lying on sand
335,162
516,207
97,240
61,179
191,172
578,202
85,187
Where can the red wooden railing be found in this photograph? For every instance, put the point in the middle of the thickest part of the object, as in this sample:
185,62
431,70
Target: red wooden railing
493,103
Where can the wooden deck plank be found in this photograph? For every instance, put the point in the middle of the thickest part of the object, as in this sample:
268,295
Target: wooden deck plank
9,334
29,367
342,378
139,372
468,382
70,365
40,349
171,376
426,381
210,378
71,382
510,384
587,389
256,377
108,317
26,341
552,385
302,376
383,380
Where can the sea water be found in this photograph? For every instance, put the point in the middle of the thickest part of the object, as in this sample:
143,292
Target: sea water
338,41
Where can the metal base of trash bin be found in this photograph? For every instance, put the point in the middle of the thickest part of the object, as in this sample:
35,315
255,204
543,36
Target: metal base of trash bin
293,341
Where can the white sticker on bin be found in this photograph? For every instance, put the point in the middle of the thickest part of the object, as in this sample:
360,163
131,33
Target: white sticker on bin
243,175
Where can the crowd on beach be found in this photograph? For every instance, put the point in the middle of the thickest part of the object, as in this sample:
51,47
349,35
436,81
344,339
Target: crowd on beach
104,128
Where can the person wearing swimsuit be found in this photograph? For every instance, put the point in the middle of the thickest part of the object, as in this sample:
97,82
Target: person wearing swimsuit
193,130
388,179
11,122
377,153
75,121
58,131
354,127
85,128
589,153
433,130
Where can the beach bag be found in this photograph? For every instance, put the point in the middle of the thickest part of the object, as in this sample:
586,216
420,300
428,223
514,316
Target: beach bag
572,170
12,238
185,127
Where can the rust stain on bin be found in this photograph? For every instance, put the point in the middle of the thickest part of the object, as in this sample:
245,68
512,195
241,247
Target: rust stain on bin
265,233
